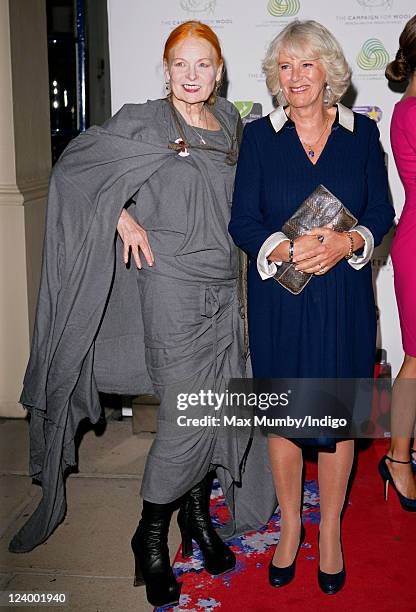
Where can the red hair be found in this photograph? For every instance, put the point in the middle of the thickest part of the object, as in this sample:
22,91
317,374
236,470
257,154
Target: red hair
192,28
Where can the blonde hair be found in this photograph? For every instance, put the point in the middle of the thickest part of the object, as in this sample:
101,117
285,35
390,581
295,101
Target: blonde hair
310,38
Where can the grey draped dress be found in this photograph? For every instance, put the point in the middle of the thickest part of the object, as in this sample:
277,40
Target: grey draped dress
172,328
189,302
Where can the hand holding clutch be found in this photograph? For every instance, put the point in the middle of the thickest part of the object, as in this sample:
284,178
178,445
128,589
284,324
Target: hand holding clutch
320,208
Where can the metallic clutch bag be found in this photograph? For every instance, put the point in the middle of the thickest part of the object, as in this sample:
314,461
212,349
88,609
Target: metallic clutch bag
320,208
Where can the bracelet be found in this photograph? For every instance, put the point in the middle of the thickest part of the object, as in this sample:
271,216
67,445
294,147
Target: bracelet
291,246
351,249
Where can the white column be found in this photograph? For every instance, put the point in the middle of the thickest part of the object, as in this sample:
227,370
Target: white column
25,163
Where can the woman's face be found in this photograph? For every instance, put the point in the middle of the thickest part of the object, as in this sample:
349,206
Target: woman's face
302,79
192,70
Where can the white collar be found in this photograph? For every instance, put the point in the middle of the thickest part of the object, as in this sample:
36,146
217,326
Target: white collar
278,117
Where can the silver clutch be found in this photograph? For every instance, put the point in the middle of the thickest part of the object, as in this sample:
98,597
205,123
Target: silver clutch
320,208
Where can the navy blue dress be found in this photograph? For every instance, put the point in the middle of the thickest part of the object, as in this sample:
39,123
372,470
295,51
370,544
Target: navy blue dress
329,329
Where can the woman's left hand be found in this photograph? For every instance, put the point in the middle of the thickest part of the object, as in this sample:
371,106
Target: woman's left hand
337,246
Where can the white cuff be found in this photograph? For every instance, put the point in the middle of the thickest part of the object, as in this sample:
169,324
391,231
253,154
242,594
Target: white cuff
359,261
266,269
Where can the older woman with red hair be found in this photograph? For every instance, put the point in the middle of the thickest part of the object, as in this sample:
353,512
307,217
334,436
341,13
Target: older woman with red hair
159,178
188,299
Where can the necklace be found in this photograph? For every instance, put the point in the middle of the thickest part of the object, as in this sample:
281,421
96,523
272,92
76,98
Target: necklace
201,139
311,147
181,146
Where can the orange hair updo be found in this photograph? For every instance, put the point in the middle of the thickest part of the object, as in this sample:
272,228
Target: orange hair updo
198,30
192,28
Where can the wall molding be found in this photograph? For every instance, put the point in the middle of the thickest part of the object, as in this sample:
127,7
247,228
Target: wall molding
12,410
13,194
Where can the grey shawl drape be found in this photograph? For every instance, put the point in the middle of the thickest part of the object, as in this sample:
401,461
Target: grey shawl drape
87,302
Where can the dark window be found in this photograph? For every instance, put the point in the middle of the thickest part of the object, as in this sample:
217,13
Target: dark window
79,93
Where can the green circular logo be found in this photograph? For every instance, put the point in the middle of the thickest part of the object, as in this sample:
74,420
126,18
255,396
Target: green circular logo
373,55
283,8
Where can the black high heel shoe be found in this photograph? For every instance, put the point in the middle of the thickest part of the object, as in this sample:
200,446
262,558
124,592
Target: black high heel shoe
413,459
281,576
151,554
195,523
406,503
331,583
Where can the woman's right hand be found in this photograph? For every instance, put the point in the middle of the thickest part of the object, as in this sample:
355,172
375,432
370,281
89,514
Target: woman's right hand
134,237
304,247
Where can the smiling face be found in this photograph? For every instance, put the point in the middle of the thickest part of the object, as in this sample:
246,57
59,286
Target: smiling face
192,70
302,79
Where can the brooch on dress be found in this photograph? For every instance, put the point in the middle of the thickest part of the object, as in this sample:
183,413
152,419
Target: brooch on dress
182,149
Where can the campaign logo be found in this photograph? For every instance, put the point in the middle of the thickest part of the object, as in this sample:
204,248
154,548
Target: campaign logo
374,112
373,55
198,6
283,8
249,111
376,3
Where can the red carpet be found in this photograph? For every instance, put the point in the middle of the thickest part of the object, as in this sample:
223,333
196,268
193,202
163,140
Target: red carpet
379,541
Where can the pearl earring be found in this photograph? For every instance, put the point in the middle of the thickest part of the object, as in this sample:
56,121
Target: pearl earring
327,94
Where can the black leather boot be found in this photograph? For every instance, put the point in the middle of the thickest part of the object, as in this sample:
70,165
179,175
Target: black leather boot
151,555
195,523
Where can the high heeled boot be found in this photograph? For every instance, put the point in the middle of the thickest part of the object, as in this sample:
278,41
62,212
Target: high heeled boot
151,554
194,522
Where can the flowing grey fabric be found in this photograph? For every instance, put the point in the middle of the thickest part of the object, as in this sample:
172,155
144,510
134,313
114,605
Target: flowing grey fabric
92,329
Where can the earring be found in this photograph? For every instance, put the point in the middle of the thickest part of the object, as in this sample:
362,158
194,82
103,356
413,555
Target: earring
280,97
167,87
213,97
327,94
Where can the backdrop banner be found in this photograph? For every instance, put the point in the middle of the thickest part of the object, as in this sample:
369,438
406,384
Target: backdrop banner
368,30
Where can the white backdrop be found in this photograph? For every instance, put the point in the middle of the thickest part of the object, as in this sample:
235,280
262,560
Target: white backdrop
368,30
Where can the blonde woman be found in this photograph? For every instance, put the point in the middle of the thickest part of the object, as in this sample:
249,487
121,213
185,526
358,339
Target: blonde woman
328,330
